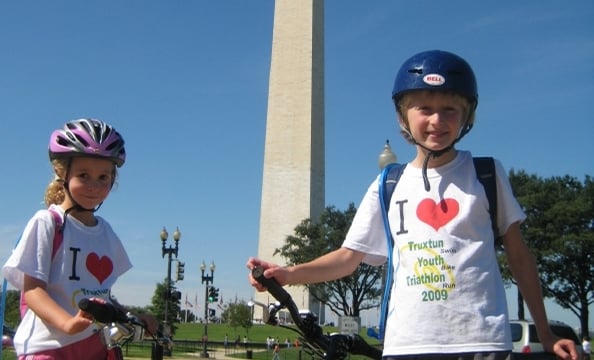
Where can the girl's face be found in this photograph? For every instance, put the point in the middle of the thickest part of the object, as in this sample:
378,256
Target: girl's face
89,181
435,119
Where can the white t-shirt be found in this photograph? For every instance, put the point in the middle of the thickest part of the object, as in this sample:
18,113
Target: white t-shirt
447,295
87,264
586,347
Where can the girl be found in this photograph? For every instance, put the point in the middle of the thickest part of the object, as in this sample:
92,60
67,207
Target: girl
85,155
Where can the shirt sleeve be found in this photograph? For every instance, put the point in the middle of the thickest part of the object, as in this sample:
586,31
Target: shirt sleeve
367,234
33,252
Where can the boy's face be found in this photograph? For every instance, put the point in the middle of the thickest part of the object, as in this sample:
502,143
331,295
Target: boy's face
434,119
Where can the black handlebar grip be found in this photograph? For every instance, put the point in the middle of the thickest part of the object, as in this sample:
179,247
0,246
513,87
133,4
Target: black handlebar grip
360,347
271,285
104,313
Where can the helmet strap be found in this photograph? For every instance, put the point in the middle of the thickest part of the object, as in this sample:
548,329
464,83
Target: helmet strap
432,153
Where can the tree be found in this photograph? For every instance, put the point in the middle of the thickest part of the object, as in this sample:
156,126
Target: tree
187,316
346,296
559,229
157,307
12,315
238,314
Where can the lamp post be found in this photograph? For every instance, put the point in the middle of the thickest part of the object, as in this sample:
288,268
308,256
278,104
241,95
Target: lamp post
387,156
169,251
209,280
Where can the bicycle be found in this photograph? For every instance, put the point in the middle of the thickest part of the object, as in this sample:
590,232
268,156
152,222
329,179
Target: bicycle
120,327
327,347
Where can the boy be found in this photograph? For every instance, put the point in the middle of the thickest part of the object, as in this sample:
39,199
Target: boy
447,299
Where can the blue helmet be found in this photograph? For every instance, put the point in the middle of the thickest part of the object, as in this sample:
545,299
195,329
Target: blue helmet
436,70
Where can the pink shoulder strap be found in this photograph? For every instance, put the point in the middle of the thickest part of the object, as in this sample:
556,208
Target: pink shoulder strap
58,232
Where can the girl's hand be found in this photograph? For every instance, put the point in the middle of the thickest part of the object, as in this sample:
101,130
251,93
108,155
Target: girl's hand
78,323
39,301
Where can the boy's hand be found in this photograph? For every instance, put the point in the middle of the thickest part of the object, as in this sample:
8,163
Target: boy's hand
270,271
150,322
564,348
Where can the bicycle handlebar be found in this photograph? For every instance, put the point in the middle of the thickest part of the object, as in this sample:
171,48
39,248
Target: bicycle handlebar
336,346
103,312
120,325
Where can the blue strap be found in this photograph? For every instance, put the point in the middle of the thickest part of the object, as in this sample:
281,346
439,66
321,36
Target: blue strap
2,305
387,182
389,266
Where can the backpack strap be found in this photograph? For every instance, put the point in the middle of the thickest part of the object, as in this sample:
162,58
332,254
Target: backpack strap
390,176
58,232
387,183
56,243
485,173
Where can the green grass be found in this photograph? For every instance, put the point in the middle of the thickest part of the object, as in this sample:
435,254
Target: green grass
193,332
188,336
8,354
216,332
257,334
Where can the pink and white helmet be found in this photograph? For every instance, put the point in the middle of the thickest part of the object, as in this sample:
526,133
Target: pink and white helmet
87,137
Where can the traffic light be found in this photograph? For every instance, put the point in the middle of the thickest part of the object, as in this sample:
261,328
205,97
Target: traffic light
180,271
213,294
176,295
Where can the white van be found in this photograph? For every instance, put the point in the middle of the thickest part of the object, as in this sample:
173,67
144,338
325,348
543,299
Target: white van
525,339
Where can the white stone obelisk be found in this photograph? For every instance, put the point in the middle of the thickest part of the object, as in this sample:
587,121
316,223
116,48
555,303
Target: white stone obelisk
293,179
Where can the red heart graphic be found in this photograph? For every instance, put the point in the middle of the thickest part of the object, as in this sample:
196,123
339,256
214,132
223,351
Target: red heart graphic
437,215
101,268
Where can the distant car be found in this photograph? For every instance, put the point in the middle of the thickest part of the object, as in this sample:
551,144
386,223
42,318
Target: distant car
525,339
306,314
7,336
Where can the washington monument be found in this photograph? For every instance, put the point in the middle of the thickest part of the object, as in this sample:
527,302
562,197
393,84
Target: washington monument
293,179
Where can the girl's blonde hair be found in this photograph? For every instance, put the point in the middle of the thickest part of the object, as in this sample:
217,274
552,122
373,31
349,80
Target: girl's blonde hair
404,104
55,192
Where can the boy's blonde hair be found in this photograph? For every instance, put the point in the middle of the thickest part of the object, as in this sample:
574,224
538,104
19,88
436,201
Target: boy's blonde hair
55,192
404,104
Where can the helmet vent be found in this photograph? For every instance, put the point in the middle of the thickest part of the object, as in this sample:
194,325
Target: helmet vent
60,140
82,140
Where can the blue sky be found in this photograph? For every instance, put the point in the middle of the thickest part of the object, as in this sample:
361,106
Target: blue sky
186,84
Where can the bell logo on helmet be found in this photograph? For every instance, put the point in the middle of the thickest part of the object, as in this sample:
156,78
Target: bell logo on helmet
434,79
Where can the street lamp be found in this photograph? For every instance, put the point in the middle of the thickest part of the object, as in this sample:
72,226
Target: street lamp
387,156
208,279
169,251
